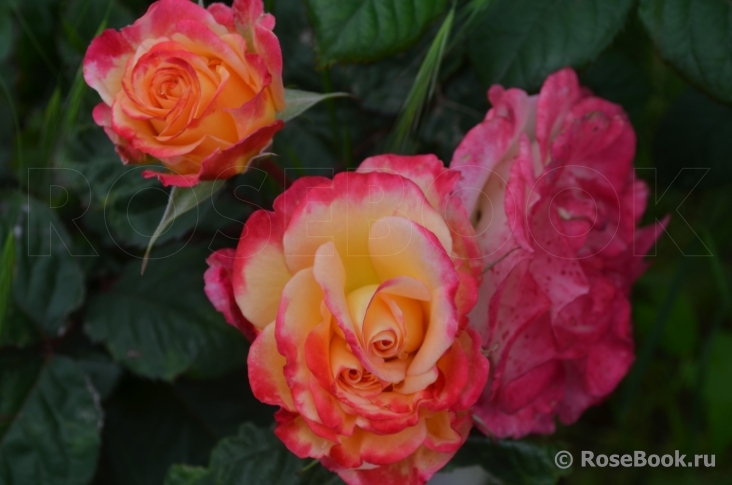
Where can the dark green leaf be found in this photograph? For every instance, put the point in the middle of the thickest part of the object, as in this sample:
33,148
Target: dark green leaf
147,429
304,144
422,88
718,392
361,30
6,33
49,283
295,36
49,423
224,402
255,456
133,209
511,462
694,36
155,425
381,86
615,77
520,42
161,324
297,102
19,330
681,336
7,268
463,104
188,475
101,370
695,133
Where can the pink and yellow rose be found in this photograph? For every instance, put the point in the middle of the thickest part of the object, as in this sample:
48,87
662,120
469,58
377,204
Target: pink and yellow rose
197,89
549,184
356,291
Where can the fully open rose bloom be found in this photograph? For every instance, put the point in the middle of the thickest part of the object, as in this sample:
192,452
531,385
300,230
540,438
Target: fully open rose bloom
357,290
197,89
549,184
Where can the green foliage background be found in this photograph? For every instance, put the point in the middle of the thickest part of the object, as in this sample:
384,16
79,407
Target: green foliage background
113,378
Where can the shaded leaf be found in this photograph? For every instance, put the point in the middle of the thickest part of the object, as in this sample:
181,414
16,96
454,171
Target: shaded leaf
49,422
694,36
19,330
7,268
6,33
147,429
224,402
696,132
717,391
254,456
361,30
181,422
49,283
161,324
102,371
422,88
511,462
188,475
518,43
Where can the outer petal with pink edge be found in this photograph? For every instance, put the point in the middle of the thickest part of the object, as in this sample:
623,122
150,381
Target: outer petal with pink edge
259,273
220,290
265,366
425,170
256,27
417,468
223,163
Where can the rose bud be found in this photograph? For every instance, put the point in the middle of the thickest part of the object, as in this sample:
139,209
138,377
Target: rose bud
197,89
357,290
549,184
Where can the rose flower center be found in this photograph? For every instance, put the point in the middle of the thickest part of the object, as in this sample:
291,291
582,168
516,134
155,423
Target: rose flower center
392,326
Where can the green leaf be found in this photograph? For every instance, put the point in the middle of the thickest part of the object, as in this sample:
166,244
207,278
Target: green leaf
19,330
297,102
6,33
161,324
254,456
511,462
147,429
181,422
49,422
381,86
696,133
49,283
16,328
694,36
366,30
520,42
718,392
681,336
102,371
7,268
422,89
180,201
188,475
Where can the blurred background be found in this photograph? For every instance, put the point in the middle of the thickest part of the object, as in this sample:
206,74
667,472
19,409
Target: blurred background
110,378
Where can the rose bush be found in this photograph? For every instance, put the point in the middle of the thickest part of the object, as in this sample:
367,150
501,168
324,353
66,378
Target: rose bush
197,89
549,184
356,290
